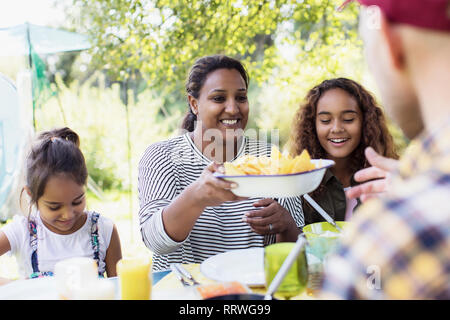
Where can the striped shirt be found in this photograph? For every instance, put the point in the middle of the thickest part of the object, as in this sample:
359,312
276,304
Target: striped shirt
165,170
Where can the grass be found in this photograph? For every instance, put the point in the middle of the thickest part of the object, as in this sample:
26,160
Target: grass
115,205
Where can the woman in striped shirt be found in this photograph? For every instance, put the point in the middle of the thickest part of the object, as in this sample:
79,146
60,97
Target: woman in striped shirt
186,213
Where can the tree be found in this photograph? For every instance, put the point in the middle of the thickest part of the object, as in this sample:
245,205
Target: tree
288,47
162,38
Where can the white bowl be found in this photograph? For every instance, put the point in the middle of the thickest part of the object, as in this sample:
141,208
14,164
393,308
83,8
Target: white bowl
280,185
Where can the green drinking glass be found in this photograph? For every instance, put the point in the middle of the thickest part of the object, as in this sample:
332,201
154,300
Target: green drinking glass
296,278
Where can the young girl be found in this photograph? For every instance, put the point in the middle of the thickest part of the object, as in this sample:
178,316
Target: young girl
58,227
338,121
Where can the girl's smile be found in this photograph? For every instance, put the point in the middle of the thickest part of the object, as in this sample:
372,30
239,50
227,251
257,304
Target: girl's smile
338,142
66,223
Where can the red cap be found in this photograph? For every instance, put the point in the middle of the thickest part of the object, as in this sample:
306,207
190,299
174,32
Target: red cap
428,14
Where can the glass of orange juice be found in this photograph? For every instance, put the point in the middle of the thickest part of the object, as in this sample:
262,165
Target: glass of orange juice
135,278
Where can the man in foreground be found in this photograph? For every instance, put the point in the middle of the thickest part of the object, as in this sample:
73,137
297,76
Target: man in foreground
398,245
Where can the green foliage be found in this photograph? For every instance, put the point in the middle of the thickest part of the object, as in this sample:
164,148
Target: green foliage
162,38
288,46
99,117
114,204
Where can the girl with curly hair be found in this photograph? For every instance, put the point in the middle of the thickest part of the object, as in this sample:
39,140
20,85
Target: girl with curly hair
338,121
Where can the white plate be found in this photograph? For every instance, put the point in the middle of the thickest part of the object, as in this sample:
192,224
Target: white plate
280,185
36,289
32,289
243,265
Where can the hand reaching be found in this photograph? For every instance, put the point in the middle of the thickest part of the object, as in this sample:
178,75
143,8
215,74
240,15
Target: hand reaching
375,179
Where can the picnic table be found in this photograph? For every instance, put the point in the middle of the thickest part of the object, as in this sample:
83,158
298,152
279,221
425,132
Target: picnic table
166,286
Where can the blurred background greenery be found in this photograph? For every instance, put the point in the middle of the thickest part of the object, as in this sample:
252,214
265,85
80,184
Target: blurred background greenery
127,91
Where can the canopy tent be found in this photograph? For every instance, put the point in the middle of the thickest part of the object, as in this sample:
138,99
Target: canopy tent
31,40
12,141
16,40
27,40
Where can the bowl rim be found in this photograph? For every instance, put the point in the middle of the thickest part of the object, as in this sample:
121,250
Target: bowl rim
223,176
341,224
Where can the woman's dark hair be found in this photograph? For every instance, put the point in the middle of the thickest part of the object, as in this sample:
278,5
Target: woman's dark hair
54,152
374,131
197,77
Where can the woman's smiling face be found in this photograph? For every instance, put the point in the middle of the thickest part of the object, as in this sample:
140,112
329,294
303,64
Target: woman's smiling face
222,105
338,123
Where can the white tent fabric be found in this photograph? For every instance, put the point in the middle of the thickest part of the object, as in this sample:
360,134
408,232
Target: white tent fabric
14,40
13,140
15,132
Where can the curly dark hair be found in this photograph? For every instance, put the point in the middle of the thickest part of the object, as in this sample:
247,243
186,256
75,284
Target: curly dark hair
374,129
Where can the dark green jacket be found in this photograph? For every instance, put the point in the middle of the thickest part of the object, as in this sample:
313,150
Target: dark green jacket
332,200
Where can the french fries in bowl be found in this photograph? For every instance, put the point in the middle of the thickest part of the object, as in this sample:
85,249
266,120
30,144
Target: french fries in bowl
277,176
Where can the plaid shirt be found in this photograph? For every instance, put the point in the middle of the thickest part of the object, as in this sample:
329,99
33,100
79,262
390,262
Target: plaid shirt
398,246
